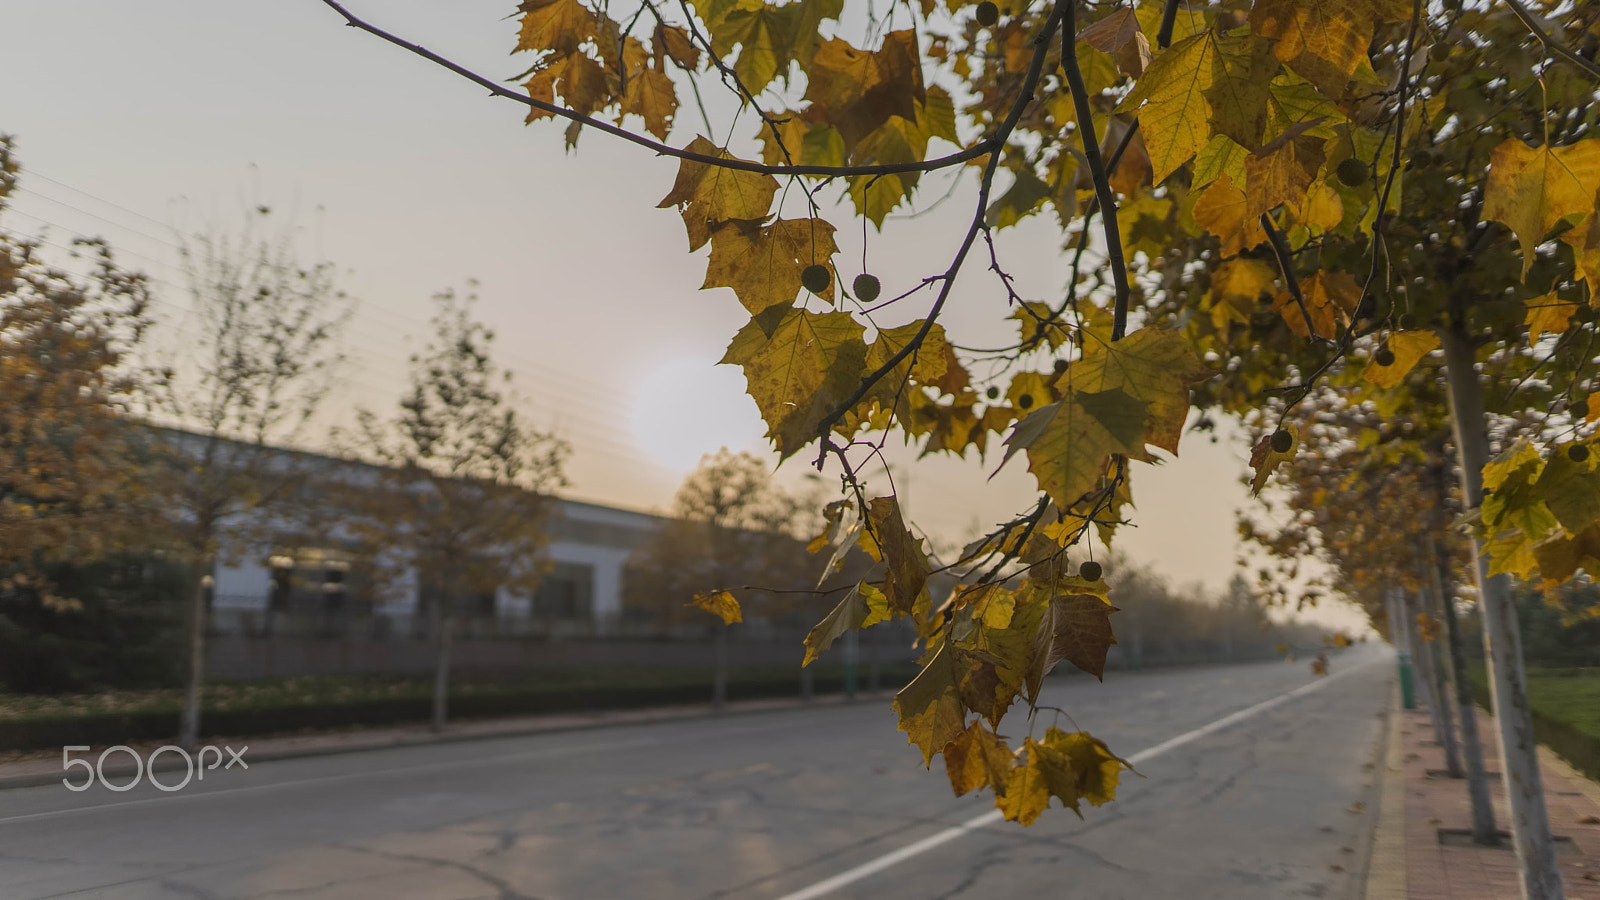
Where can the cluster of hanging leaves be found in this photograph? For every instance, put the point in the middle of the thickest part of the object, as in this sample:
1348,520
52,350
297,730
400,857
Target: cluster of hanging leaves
1277,192
1370,495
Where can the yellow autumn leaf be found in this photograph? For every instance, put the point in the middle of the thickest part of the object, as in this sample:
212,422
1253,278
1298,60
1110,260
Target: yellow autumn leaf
1325,42
558,25
651,96
709,196
1408,347
1530,189
930,709
1236,286
1170,100
1265,460
1116,398
1224,210
977,758
762,263
863,605
1330,300
858,90
1547,315
799,366
885,538
719,603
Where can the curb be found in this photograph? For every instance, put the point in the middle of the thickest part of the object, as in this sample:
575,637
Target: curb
1386,872
426,738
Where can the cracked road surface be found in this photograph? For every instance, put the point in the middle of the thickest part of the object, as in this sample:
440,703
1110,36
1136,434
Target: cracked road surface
762,805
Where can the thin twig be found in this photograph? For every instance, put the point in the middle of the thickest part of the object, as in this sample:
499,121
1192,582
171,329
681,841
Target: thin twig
987,145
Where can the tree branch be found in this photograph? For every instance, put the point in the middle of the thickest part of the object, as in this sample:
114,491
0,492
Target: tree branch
1555,47
1097,170
987,145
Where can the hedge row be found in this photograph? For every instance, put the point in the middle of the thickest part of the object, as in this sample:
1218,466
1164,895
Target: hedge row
99,730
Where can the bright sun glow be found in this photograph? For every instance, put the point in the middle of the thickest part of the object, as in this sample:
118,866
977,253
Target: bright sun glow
685,409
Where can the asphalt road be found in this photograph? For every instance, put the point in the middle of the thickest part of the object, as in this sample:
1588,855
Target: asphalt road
818,802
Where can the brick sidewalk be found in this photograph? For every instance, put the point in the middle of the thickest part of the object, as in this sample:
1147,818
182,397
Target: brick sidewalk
1424,868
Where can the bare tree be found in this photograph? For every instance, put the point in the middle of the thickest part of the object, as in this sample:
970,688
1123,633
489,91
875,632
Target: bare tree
732,528
466,484
261,365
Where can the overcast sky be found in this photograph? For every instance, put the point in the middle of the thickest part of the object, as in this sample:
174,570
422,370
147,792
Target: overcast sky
138,120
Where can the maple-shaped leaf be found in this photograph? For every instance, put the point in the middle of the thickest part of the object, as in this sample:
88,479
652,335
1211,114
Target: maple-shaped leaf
1585,243
928,364
1241,87
1026,796
1330,299
1154,365
1325,41
1174,115
1531,189
1224,210
1236,287
558,25
930,707
1408,347
1078,766
1560,557
651,96
1069,767
991,604
1119,36
762,263
1548,315
1571,489
1265,460
863,605
977,758
711,195
581,83
1280,174
860,89
675,43
1116,398
1040,326
885,538
720,604
1080,626
799,366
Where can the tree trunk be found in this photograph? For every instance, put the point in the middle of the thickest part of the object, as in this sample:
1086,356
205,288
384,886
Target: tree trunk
1434,695
1439,694
443,624
189,718
719,677
1483,827
1508,687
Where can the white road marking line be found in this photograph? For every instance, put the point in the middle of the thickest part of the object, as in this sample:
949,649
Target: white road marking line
345,776
895,857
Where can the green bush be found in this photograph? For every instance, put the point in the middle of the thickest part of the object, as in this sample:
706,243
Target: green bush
115,626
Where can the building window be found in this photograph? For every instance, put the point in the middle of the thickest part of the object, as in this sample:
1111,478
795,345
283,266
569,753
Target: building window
316,579
566,593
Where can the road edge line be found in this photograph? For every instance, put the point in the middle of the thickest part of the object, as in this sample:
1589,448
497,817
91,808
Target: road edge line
894,857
